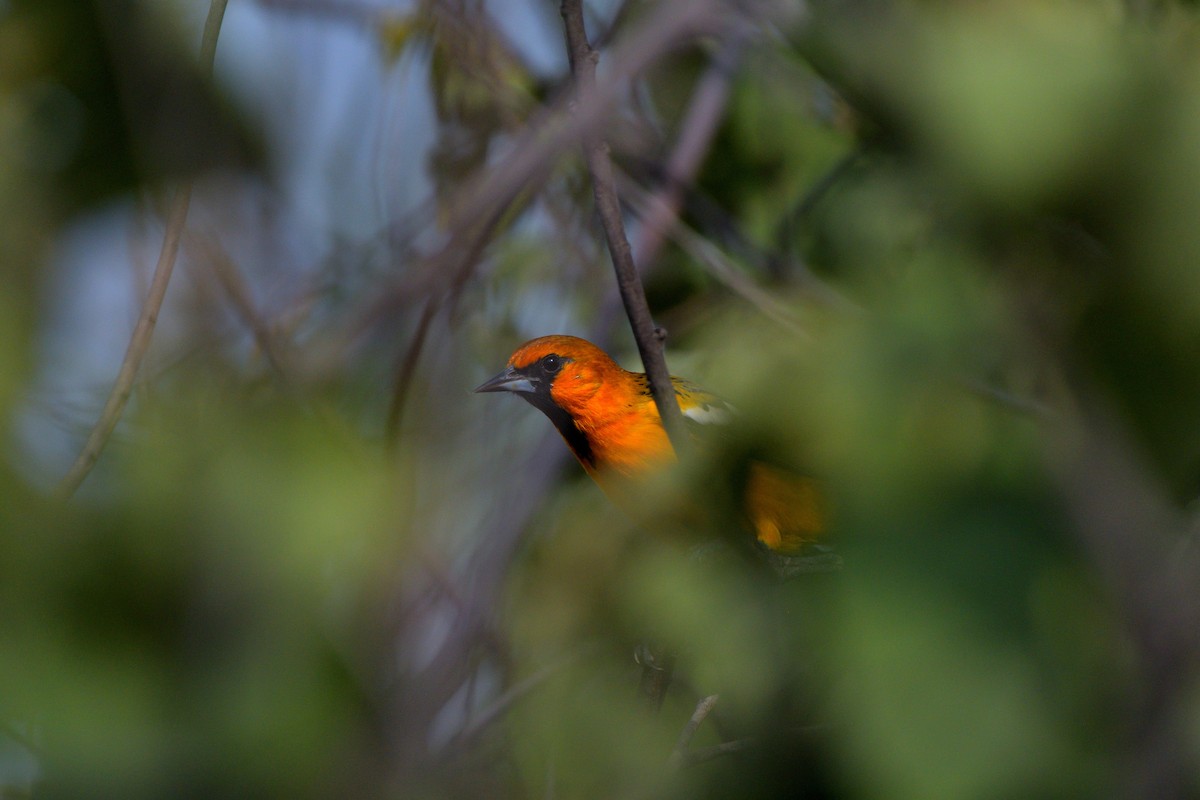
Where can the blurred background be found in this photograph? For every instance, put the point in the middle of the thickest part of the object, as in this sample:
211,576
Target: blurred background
942,256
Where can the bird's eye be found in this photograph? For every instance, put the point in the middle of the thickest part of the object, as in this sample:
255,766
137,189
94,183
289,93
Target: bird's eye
552,363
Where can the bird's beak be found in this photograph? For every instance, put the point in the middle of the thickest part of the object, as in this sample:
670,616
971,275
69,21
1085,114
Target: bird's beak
510,380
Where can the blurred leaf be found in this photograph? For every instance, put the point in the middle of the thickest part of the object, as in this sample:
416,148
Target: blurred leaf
115,100
1021,103
207,631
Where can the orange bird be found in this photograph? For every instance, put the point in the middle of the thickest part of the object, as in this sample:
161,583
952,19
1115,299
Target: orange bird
608,419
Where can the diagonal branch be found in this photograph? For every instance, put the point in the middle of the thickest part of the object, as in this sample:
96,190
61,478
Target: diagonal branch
705,111
458,263
649,340
534,152
505,701
703,709
237,292
139,342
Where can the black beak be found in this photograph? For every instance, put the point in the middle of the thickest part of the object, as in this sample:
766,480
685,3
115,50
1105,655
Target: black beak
510,380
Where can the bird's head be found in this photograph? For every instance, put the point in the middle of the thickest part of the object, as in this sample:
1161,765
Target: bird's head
565,372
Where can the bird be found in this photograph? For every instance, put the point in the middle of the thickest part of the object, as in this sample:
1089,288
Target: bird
608,419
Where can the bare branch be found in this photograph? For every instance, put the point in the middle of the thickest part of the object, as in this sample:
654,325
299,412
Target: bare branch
519,690
696,131
702,754
649,341
459,263
1132,532
239,296
139,342
719,266
135,353
406,368
534,152
680,753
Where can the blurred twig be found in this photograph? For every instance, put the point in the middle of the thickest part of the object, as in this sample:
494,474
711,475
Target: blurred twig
704,252
696,131
419,697
821,187
238,293
406,367
701,754
1011,400
549,134
1132,531
139,342
459,263
719,226
519,690
687,757
703,708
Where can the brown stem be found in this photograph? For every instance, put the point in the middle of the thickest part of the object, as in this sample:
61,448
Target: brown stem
406,368
703,709
648,337
533,154
237,292
705,112
459,263
139,342
135,353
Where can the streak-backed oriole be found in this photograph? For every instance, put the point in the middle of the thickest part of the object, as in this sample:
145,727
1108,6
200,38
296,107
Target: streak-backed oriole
608,419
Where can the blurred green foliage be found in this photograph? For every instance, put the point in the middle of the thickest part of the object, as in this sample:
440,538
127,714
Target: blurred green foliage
187,636
981,220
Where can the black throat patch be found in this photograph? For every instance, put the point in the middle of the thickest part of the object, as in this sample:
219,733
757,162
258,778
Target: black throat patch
574,437
543,380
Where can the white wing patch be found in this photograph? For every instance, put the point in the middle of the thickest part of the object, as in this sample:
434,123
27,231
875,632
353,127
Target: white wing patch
711,413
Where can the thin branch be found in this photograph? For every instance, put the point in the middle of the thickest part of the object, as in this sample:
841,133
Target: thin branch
705,112
824,184
717,750
139,342
406,368
649,339
459,263
1011,400
718,265
208,40
680,754
135,353
535,151
1130,528
722,227
239,296
701,754
519,690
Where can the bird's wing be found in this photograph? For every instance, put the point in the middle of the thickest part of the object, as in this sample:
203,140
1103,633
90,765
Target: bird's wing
701,406
787,510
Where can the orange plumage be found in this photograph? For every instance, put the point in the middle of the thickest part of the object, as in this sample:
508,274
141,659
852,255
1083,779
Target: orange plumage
608,419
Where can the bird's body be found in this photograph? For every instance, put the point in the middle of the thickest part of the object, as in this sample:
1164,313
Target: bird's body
608,418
